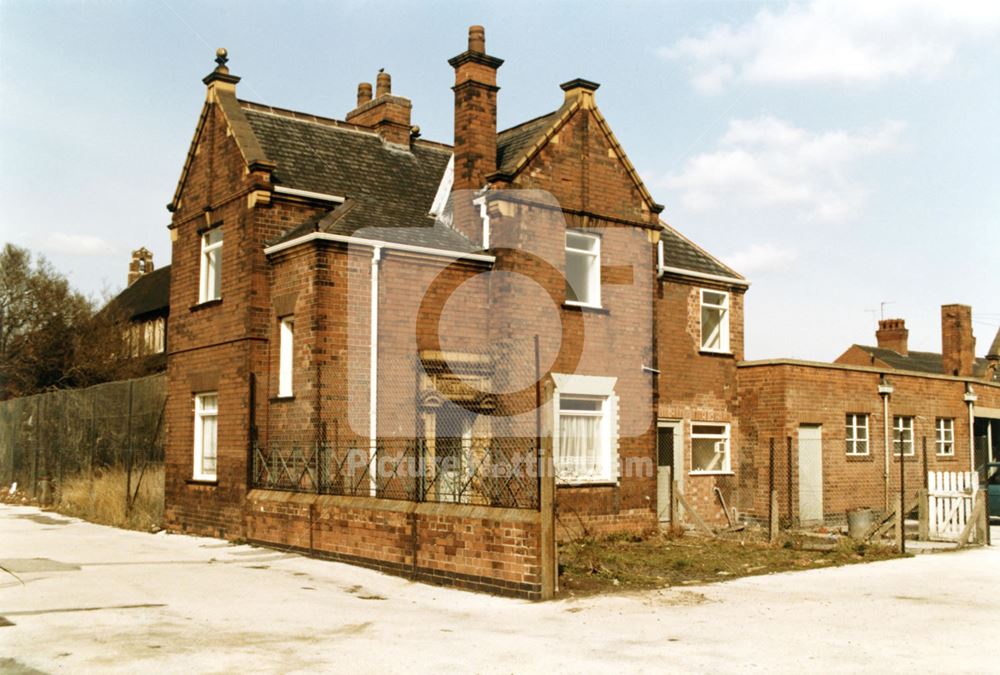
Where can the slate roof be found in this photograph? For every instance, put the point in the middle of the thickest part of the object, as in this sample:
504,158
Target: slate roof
388,190
150,294
921,362
680,252
514,142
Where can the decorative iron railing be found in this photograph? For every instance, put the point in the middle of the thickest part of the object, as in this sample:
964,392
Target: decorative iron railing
499,472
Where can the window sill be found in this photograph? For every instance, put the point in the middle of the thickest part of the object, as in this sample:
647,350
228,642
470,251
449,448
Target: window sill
587,484
715,352
203,305
944,458
579,307
859,458
711,473
281,399
208,482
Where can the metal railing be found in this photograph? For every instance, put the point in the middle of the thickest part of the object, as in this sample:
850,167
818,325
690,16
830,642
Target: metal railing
498,472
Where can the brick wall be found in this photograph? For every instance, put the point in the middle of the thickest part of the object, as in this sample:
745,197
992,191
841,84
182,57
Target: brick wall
698,386
776,398
479,548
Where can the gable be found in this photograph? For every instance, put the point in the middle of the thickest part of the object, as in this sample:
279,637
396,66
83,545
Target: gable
573,154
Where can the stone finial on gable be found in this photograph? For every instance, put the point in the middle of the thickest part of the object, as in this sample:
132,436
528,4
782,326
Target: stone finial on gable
220,78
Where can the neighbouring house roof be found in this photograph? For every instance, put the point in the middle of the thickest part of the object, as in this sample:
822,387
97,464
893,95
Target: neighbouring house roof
388,190
148,295
921,362
681,253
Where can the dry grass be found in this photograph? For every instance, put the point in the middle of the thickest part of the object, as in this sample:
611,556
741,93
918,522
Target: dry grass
632,563
102,500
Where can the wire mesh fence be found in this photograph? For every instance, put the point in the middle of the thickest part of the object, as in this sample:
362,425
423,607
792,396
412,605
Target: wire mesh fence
69,432
453,426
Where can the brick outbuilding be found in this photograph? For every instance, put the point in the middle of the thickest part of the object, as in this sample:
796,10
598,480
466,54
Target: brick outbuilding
839,429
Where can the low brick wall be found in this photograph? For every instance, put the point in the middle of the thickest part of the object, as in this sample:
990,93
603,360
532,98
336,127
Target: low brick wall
572,525
479,548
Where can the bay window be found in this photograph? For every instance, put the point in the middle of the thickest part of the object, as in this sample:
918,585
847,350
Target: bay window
586,432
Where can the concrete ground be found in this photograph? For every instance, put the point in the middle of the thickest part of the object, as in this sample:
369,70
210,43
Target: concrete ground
83,597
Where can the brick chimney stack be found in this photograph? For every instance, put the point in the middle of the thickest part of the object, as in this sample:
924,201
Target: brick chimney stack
388,115
475,112
141,264
892,334
958,346
475,128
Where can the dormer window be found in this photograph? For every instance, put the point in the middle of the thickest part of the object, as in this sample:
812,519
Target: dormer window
211,266
583,269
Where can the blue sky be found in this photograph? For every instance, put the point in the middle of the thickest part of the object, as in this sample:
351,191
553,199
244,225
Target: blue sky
840,154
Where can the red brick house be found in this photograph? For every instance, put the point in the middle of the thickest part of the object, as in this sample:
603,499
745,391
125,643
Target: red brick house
840,428
378,342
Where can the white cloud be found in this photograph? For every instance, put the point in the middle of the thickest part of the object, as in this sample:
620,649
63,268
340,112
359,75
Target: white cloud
75,244
843,41
766,162
760,258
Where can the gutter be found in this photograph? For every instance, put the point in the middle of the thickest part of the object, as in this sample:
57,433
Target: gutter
664,269
376,243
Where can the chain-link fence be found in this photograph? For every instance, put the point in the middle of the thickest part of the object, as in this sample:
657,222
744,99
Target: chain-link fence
453,426
65,433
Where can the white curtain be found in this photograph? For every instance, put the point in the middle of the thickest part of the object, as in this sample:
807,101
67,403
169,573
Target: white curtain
578,455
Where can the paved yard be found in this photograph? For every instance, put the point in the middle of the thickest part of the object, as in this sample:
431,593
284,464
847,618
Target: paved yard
84,597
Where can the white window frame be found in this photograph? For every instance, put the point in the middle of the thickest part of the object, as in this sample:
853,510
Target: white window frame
727,463
593,388
286,355
901,423
723,347
594,280
855,423
203,411
944,436
211,267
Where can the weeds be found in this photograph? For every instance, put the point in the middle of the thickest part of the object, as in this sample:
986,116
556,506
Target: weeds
102,499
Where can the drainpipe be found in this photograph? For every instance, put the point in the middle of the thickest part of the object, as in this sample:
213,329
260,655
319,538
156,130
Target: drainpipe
970,401
885,391
373,376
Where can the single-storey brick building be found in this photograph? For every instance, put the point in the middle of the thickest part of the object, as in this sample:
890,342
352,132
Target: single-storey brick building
839,429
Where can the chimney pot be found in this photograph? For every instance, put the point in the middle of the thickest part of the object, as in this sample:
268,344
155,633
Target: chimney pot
477,39
892,334
364,93
383,84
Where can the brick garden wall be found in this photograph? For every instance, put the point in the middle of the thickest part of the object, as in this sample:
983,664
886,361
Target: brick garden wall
474,547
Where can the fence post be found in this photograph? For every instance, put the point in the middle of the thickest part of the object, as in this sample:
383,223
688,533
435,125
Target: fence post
772,496
901,515
129,450
789,496
38,445
549,558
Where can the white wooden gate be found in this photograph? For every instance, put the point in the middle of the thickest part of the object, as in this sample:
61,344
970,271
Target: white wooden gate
950,498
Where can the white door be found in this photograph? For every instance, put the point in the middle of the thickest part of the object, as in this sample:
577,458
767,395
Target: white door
669,465
810,473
